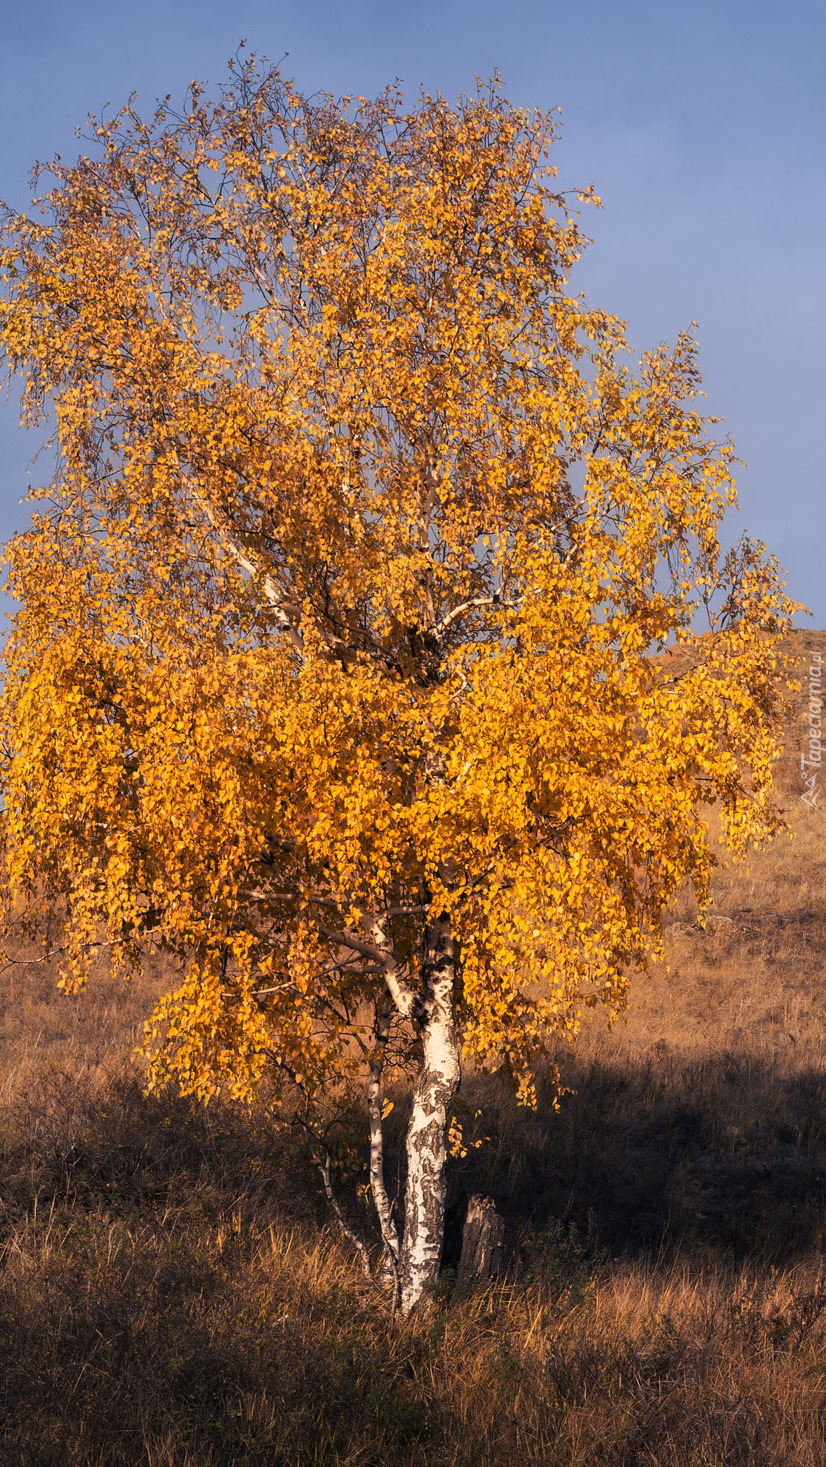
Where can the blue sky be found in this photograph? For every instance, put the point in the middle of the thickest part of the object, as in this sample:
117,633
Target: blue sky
702,125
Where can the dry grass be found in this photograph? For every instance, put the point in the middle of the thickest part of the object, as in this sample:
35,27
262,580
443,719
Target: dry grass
171,1292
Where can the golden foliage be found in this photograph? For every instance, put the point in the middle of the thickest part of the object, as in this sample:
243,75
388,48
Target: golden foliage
339,611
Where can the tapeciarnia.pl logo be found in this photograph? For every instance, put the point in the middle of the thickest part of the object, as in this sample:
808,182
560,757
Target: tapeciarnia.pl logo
812,753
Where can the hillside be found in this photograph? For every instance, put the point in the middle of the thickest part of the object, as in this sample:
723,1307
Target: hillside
172,1291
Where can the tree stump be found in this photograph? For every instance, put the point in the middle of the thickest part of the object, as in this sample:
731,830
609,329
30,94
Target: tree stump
483,1240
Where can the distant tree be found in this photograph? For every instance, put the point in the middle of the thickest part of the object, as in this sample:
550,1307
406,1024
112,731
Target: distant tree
332,671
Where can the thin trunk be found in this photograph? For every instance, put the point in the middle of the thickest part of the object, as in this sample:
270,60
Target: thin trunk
438,1081
389,1232
324,1169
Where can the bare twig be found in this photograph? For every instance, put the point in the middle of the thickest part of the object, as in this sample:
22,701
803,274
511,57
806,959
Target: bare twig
55,952
324,1169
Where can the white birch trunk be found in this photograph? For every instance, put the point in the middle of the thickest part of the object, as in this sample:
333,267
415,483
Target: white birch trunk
389,1231
437,1083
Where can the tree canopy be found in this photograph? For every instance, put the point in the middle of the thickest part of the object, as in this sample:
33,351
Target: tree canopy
335,667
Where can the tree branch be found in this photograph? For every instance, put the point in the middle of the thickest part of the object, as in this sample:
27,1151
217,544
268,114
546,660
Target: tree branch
286,615
324,1169
478,601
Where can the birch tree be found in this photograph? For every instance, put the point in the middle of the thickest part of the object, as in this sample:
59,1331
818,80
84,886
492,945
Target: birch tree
334,671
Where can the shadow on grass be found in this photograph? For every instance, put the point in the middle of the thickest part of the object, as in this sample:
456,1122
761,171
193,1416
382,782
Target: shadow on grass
726,1156
171,1293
